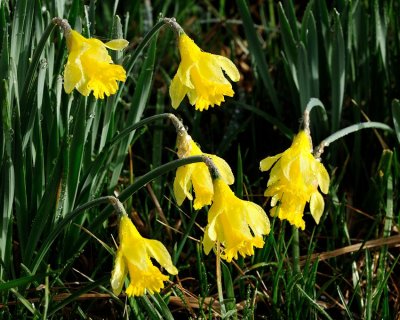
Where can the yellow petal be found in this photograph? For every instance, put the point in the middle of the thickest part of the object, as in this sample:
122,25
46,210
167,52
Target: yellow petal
177,92
323,178
211,227
72,75
267,163
118,274
229,67
257,219
208,243
223,168
183,184
116,44
202,185
317,206
157,250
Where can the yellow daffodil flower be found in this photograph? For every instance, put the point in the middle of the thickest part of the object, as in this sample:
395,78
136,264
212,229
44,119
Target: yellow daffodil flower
89,66
200,76
133,256
294,180
197,174
237,224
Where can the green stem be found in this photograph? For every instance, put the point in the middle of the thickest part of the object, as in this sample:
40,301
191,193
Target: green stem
139,124
212,168
219,280
314,102
344,132
296,250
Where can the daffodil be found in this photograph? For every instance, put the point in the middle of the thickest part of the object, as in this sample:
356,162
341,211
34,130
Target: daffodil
89,66
294,180
133,257
200,76
238,225
197,174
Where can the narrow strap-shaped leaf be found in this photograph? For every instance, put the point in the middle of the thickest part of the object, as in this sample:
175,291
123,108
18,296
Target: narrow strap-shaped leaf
396,117
4,286
258,54
31,74
338,71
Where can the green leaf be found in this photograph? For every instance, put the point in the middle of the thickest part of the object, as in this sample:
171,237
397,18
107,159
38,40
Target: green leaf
229,299
258,54
23,281
338,71
396,117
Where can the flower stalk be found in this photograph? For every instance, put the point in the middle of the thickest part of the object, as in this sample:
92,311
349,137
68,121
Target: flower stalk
344,132
219,280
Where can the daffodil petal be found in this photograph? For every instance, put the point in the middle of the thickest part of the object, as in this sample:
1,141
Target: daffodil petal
208,243
323,178
118,274
157,250
183,184
72,76
223,168
229,67
117,44
267,163
317,206
177,92
257,219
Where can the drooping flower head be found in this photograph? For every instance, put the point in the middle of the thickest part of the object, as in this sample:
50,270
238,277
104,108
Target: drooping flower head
133,257
294,180
89,66
237,224
200,76
197,174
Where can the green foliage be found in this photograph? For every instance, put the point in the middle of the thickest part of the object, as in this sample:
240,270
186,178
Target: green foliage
62,156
